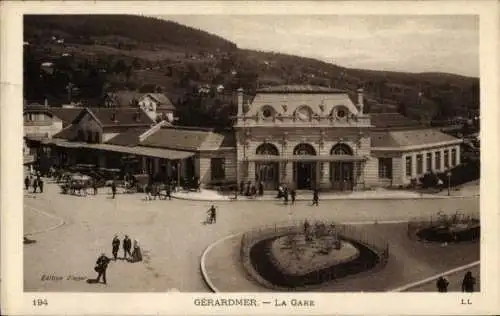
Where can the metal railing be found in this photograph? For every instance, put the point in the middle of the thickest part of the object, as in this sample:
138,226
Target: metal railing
347,232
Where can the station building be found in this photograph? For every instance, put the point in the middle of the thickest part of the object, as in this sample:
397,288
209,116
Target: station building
301,136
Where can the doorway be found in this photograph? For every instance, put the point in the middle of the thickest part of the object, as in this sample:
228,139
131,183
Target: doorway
305,175
268,173
342,175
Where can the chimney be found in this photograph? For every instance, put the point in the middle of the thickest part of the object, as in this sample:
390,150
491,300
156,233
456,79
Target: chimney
240,102
360,100
46,103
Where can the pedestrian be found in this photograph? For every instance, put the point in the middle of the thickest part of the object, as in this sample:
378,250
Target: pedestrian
468,282
442,284
242,187
35,185
169,191
315,197
116,245
27,183
127,245
253,191
113,188
40,184
94,186
285,196
249,184
261,188
212,215
293,195
101,267
136,253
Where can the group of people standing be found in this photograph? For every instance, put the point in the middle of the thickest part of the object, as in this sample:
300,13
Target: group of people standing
35,182
250,190
468,283
132,250
285,194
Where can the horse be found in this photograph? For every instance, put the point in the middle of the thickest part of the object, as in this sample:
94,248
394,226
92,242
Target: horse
80,186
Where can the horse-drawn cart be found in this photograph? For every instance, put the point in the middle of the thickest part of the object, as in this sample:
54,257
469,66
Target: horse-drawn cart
76,183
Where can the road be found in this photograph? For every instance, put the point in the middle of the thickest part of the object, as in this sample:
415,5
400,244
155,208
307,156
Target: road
71,232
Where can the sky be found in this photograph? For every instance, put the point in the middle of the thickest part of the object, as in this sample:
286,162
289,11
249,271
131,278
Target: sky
392,43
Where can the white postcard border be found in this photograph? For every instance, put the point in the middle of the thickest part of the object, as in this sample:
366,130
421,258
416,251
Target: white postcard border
15,302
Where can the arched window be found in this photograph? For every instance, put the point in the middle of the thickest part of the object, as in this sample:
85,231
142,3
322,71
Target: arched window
267,149
304,149
341,149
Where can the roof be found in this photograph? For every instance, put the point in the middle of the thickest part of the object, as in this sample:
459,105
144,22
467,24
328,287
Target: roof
110,117
392,120
66,115
128,138
408,139
299,89
162,100
124,98
69,132
190,139
134,150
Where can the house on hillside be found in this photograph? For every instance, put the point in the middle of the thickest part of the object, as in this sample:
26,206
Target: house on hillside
158,106
122,98
94,126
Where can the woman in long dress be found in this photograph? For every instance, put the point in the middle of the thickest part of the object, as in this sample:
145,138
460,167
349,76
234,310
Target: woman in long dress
136,253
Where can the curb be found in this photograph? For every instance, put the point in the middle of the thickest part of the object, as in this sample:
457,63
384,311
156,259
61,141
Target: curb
204,273
218,199
434,277
61,221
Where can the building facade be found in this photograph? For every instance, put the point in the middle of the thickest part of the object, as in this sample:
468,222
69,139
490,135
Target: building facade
302,136
305,137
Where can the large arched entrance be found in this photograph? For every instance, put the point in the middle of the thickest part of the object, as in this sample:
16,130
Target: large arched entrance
267,171
342,172
304,170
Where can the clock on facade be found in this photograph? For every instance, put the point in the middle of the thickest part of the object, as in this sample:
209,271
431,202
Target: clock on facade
303,114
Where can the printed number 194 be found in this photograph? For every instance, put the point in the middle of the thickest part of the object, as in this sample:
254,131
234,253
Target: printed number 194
40,302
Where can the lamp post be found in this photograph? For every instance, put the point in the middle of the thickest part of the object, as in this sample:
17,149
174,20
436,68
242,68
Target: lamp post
448,174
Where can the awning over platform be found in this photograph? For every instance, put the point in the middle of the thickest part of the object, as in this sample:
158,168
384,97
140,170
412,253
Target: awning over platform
164,153
304,158
135,150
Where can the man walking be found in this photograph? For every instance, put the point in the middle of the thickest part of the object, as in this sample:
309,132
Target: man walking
442,285
27,183
116,245
40,184
113,188
315,197
127,245
94,186
101,267
468,282
293,195
35,184
212,215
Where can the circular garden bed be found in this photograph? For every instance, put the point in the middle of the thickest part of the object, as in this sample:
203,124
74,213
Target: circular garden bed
447,229
294,260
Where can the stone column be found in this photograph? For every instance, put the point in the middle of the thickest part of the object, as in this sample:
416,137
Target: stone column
324,175
251,172
413,165
289,174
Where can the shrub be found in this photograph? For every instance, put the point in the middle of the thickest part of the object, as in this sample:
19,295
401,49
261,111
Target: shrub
429,180
461,174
